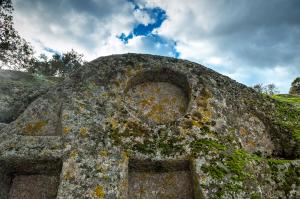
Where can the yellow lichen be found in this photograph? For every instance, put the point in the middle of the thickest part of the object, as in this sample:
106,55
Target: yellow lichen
66,130
197,124
34,128
243,131
65,116
204,107
74,154
68,175
103,153
98,192
124,155
124,158
206,115
100,168
83,132
145,102
114,123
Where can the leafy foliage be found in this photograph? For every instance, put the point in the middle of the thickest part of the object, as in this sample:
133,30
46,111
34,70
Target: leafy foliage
15,52
269,89
59,64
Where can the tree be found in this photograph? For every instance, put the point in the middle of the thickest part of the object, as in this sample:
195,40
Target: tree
15,52
295,87
59,64
258,88
269,89
68,62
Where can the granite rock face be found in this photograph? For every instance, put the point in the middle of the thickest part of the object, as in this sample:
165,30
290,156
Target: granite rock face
133,125
18,89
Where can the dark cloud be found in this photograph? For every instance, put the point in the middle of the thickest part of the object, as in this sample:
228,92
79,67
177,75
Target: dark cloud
260,33
251,41
65,15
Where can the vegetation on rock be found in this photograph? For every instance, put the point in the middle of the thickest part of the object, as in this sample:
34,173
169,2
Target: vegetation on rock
288,113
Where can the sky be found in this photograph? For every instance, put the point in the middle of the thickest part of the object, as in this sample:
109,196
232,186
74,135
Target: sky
253,42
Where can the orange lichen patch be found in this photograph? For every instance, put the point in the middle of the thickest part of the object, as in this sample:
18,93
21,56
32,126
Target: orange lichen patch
156,112
251,143
66,130
204,110
34,128
83,132
243,131
98,192
133,128
159,102
143,103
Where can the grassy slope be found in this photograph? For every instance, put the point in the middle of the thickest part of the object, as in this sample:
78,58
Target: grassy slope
289,112
292,99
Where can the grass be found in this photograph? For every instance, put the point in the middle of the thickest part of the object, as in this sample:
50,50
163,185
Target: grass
292,99
288,112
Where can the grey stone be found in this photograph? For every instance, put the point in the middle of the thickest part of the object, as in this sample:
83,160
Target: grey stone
112,118
18,89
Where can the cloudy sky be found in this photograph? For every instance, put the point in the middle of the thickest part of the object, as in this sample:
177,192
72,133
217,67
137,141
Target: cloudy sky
255,41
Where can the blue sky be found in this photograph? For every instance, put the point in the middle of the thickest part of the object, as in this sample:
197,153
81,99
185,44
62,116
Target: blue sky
250,41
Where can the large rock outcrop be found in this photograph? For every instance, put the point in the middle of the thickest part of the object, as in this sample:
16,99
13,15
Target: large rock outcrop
18,89
143,126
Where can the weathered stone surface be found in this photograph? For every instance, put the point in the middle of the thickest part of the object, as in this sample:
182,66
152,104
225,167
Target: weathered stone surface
158,102
169,185
239,143
33,187
29,179
170,180
18,90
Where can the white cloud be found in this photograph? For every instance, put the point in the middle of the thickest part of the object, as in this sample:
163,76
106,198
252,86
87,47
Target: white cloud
143,17
249,41
72,29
